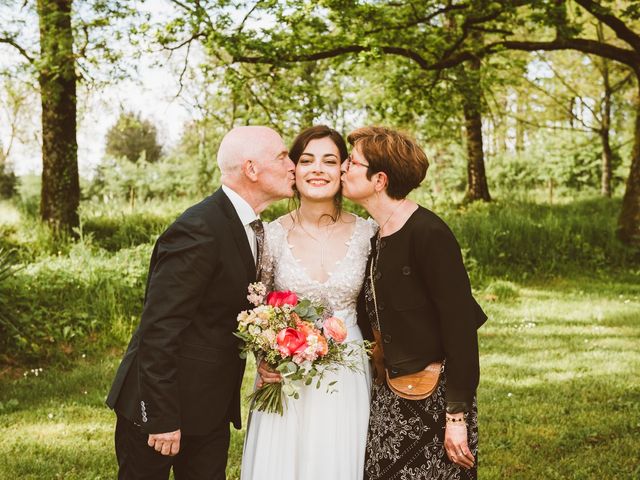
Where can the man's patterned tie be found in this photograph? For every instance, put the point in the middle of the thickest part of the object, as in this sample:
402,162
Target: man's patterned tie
258,229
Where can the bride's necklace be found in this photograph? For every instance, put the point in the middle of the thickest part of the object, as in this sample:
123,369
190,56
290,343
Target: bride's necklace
322,242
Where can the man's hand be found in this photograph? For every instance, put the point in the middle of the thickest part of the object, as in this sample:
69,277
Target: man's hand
267,374
165,443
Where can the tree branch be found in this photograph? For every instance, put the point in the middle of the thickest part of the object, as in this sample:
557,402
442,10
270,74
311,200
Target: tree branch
419,21
605,16
571,89
622,55
13,43
183,5
452,61
187,42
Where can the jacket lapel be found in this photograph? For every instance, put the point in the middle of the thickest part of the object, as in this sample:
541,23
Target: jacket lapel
238,232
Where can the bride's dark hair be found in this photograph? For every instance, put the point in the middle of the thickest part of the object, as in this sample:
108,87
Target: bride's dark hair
301,142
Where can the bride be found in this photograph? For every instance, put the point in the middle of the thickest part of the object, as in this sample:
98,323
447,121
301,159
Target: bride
319,252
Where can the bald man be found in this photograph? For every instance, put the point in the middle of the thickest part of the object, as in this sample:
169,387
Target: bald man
178,385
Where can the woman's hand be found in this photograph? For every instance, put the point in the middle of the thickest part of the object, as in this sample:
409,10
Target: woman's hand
455,442
267,374
377,357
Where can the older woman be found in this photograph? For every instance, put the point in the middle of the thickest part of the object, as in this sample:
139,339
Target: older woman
417,303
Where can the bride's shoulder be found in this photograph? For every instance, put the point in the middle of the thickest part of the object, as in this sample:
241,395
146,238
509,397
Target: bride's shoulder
279,225
366,226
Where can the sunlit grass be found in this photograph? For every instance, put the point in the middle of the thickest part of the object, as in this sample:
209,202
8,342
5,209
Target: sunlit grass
9,214
559,395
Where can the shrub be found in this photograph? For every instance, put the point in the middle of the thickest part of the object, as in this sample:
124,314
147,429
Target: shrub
115,232
524,239
501,291
8,183
61,304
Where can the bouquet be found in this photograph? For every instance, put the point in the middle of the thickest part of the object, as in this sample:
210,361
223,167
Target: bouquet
295,337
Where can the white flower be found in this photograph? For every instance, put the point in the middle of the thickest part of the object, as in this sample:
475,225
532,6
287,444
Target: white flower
254,330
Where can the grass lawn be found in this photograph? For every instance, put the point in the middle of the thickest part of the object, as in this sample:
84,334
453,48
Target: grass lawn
559,396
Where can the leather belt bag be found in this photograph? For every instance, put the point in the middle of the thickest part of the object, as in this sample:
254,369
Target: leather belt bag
416,386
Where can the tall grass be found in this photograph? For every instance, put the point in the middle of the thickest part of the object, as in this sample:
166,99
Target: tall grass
523,240
61,304
71,292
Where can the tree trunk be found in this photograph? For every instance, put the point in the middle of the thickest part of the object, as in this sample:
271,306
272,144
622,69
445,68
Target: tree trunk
520,112
605,127
607,155
629,220
477,188
60,183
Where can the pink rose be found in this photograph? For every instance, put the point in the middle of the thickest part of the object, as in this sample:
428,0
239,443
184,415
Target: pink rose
334,327
278,299
290,341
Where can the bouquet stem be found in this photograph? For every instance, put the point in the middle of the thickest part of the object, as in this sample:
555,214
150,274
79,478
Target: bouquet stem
268,398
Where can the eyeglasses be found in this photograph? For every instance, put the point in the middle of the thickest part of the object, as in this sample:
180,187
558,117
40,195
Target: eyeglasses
351,161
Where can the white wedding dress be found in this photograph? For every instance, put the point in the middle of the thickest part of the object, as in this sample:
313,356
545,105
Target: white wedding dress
320,435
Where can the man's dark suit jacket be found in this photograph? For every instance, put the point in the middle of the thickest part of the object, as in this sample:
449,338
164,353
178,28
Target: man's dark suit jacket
182,368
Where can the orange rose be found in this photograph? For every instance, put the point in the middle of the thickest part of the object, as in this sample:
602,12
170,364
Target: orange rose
334,327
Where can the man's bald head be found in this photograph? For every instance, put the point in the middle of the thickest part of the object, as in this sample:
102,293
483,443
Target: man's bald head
246,143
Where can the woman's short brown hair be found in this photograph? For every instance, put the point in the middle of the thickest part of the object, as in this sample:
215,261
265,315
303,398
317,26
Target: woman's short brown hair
394,153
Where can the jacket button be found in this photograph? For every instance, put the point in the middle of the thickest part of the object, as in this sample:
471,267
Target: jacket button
383,243
406,270
378,275
381,306
386,338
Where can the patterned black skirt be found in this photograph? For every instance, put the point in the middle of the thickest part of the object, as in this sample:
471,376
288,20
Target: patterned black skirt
405,440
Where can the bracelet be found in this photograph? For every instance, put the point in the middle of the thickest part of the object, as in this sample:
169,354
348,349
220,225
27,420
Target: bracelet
455,421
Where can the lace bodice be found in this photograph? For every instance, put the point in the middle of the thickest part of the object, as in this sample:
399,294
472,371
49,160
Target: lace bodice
281,270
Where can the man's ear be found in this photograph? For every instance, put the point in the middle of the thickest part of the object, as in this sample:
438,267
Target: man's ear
250,170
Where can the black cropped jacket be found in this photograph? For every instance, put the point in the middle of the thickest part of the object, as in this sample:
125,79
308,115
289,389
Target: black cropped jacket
425,305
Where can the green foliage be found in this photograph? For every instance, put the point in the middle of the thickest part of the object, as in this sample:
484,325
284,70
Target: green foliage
570,161
119,231
86,299
8,183
28,195
119,180
523,239
134,138
6,272
501,291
